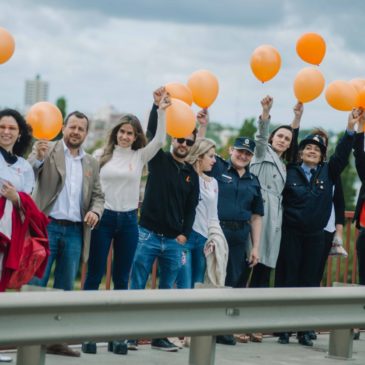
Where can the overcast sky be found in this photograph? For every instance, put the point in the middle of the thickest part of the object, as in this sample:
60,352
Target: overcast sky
99,52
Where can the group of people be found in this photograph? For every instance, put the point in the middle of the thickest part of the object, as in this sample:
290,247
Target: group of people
274,204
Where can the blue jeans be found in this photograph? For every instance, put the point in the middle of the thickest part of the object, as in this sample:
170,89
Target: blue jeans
65,243
152,246
193,268
122,228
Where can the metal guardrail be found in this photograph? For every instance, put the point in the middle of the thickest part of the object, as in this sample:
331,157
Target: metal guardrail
38,318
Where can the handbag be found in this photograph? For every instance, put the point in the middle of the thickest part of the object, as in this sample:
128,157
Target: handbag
32,257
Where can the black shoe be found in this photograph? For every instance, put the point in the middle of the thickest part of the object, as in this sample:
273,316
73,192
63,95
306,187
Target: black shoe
62,349
118,347
88,347
132,345
283,338
312,335
226,340
304,339
163,344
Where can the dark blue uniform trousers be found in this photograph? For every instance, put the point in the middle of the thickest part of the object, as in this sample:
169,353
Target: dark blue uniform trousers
237,267
299,259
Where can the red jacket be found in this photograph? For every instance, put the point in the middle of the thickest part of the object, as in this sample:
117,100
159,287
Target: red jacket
32,216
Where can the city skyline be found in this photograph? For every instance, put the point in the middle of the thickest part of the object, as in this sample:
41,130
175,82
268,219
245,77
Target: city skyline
117,52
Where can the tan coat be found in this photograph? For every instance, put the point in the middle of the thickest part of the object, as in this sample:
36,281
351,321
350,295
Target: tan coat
50,179
216,253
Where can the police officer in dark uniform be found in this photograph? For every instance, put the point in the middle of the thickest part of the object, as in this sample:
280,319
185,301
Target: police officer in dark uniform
240,208
307,202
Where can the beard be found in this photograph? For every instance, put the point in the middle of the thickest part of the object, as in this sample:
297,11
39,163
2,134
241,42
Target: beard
179,152
73,145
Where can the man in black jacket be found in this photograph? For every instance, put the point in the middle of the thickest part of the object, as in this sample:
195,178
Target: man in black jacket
167,214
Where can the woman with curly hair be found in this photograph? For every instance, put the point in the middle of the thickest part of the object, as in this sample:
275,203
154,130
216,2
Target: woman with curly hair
16,184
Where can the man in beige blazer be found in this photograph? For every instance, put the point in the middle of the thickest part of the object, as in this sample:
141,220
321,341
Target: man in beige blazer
68,191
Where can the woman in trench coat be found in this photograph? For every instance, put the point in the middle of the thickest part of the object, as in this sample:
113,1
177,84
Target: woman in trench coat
268,165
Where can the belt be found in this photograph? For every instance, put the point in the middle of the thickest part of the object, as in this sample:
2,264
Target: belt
65,222
233,225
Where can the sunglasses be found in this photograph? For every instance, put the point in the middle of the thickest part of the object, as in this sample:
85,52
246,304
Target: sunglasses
189,142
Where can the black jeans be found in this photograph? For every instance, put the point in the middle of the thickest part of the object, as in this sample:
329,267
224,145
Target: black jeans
360,249
260,276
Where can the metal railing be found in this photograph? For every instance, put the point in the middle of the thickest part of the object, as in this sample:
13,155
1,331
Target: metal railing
338,269
30,320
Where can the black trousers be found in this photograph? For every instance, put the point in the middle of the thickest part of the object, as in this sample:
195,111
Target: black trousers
237,267
260,276
360,249
328,239
299,259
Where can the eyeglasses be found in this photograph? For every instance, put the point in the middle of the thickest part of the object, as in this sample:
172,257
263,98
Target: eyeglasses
189,142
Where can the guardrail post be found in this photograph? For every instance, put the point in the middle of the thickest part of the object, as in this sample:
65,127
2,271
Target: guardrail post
31,355
202,350
340,344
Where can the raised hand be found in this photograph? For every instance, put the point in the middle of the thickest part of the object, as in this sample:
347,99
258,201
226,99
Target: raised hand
165,101
355,117
361,124
266,104
298,113
203,117
298,110
157,95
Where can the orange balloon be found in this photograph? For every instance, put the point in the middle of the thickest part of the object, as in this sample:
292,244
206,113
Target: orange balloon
180,119
360,100
358,84
7,45
265,62
341,95
45,119
204,87
311,48
308,84
179,91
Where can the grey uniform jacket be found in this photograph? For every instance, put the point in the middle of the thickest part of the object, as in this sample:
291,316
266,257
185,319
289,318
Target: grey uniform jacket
50,179
271,172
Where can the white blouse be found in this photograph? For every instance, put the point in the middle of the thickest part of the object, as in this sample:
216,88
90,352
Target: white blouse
207,208
20,174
